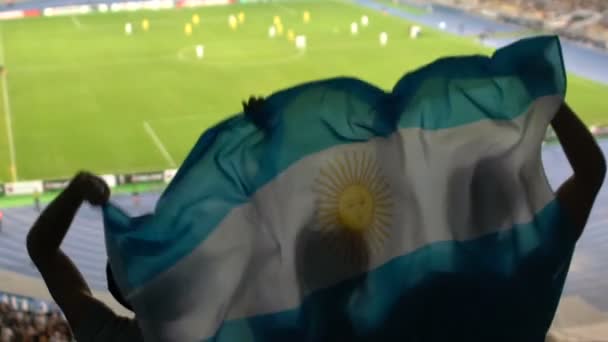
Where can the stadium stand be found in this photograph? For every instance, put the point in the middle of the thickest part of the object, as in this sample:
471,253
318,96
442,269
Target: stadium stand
464,17
27,319
585,21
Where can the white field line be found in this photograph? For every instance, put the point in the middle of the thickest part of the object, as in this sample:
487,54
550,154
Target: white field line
7,114
76,22
159,144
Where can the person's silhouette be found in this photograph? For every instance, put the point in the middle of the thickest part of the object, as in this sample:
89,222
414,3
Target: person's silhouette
89,318
319,259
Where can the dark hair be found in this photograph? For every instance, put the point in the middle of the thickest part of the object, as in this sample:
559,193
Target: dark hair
114,289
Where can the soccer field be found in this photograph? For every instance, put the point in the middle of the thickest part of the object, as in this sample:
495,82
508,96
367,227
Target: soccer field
81,94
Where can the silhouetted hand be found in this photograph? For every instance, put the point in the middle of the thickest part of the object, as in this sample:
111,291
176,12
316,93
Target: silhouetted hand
255,111
92,188
254,104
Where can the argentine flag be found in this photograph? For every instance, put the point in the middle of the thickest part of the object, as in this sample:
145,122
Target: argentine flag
342,212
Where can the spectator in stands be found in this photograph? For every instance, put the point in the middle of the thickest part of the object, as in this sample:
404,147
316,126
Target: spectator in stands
24,326
89,318
7,334
60,332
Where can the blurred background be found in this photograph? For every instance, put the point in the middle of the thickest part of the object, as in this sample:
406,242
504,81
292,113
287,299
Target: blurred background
124,88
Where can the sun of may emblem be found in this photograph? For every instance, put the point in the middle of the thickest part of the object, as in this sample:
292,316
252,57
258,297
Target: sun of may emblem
354,200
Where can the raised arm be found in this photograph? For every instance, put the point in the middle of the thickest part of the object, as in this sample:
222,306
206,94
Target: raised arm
578,192
65,283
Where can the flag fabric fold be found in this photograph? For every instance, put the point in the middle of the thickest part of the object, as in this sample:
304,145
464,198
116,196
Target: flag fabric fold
344,212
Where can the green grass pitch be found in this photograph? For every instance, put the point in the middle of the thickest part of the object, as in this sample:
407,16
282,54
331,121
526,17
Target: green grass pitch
83,95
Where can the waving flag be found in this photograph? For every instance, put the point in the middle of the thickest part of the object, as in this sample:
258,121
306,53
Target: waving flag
341,212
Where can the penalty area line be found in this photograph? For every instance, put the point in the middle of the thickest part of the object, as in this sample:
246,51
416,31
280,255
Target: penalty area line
159,144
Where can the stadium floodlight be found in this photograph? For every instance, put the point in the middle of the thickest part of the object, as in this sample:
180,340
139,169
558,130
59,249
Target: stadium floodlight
354,28
364,20
383,38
